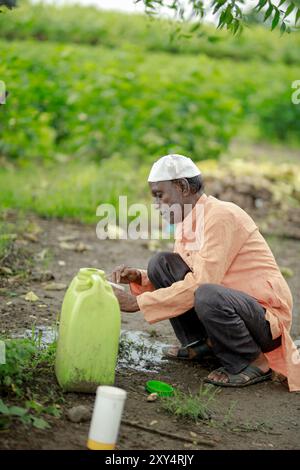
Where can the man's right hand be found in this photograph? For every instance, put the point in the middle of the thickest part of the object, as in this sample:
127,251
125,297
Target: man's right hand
124,275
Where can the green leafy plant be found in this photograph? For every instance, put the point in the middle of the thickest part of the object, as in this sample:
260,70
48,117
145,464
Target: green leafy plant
231,14
30,415
24,359
83,104
8,3
19,358
88,25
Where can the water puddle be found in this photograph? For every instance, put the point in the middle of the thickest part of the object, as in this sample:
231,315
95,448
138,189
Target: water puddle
43,335
137,350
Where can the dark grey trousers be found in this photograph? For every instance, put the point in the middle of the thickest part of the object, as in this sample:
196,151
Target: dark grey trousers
233,320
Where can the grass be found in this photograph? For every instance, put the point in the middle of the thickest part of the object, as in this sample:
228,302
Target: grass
74,190
23,357
27,361
232,424
191,406
7,236
70,191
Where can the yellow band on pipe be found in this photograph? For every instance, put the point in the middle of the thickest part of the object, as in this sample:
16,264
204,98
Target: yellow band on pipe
94,445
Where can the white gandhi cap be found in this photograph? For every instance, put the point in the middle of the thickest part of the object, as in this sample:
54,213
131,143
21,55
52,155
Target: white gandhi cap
172,167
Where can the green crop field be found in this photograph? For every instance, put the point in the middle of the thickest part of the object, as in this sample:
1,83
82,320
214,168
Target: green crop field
84,89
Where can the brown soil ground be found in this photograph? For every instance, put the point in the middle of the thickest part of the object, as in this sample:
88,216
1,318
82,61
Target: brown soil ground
263,416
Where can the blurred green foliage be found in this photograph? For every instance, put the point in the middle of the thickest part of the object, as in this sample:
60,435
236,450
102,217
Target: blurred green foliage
96,97
70,101
81,102
72,190
83,25
75,189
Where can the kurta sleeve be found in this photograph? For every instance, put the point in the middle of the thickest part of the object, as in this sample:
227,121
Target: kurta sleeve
223,238
146,286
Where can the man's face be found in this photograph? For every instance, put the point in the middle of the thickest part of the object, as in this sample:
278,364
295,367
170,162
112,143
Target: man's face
168,198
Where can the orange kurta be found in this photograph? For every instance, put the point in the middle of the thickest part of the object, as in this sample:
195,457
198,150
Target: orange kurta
235,255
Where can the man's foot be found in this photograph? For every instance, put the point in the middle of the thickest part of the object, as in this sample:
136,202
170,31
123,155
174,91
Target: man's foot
257,371
191,353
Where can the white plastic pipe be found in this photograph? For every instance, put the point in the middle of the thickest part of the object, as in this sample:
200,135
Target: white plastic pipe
117,286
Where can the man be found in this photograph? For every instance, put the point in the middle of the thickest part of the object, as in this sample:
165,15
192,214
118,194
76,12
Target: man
221,288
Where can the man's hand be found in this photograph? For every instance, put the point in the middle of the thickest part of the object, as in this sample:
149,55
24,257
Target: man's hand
124,275
127,301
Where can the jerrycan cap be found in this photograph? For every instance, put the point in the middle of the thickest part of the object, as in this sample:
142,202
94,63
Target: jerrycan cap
87,273
90,271
85,277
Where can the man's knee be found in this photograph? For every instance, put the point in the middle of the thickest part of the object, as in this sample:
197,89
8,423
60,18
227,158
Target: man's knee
157,262
207,298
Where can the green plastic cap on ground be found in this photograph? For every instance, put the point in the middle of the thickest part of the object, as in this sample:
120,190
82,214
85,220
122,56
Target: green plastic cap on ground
161,388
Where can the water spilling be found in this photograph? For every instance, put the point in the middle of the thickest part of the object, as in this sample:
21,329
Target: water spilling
137,350
43,335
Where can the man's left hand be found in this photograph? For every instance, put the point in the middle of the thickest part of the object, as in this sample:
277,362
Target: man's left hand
127,301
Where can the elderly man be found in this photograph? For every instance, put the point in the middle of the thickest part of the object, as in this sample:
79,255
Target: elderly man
221,288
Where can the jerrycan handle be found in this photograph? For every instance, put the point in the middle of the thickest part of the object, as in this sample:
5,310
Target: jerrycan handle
84,280
100,282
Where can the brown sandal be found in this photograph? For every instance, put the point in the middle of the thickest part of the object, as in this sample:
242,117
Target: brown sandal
191,353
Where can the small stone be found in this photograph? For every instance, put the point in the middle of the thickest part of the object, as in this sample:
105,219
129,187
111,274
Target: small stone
42,276
193,434
67,246
80,247
61,263
31,297
152,397
68,238
31,237
54,286
13,279
79,414
41,255
5,270
153,422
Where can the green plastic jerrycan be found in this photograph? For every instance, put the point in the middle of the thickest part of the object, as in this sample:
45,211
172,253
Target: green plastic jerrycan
89,331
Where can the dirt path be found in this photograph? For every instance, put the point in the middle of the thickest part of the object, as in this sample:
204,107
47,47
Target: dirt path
264,416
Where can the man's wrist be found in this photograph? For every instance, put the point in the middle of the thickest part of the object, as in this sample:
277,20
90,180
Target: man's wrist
135,305
139,279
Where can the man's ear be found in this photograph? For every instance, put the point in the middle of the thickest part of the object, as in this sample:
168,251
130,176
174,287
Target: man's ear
183,185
